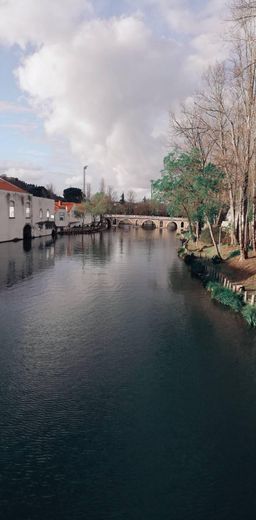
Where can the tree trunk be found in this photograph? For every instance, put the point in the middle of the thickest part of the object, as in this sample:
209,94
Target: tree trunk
189,222
197,231
254,218
233,237
213,239
243,223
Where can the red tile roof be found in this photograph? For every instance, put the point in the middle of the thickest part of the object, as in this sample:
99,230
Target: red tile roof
68,206
8,186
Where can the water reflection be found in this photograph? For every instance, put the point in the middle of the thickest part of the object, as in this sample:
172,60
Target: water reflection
23,259
27,244
124,392
20,260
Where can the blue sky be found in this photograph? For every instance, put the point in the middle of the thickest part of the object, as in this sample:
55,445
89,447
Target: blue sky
93,82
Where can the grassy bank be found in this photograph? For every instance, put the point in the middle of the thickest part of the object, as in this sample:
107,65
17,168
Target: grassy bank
232,300
241,273
225,296
219,292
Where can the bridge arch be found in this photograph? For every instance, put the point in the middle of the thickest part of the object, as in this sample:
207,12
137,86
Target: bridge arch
124,222
148,224
108,222
172,226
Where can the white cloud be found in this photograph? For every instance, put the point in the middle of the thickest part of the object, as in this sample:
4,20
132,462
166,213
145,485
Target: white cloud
23,170
34,22
31,173
13,108
106,84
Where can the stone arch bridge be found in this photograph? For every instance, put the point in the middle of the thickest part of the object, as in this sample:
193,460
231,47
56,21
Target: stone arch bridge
178,224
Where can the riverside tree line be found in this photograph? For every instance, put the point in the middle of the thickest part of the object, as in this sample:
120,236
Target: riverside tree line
212,169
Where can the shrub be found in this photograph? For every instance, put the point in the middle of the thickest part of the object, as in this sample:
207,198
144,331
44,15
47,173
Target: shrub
181,252
225,296
189,258
234,253
198,268
206,238
249,314
189,236
216,259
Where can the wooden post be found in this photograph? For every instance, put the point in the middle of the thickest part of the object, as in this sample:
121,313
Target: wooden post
245,297
253,299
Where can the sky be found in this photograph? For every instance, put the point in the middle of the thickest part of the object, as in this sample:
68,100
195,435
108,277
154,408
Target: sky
93,82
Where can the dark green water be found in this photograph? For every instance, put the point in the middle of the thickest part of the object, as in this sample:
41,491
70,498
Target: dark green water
125,393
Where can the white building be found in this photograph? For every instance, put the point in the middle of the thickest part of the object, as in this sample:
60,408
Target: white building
67,215
22,215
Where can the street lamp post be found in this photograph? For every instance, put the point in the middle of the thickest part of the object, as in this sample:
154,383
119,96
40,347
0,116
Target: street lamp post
151,182
84,171
85,168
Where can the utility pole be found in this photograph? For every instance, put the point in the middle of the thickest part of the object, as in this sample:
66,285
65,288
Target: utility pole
151,182
85,168
84,196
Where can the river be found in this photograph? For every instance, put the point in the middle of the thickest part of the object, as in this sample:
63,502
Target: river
125,392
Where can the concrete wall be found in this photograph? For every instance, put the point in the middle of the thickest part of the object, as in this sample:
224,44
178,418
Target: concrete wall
26,212
43,216
11,228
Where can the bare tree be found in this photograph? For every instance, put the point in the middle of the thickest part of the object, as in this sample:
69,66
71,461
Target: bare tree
216,106
131,197
243,10
102,187
51,190
221,122
244,124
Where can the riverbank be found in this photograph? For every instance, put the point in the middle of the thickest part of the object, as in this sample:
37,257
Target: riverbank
230,282
240,273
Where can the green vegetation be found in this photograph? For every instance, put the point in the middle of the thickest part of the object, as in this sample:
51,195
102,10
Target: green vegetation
181,252
225,296
233,254
191,187
73,195
249,314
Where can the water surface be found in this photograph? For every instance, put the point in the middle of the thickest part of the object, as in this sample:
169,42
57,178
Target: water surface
125,393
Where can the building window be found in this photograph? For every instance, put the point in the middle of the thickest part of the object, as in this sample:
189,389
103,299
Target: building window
40,213
11,209
47,213
28,210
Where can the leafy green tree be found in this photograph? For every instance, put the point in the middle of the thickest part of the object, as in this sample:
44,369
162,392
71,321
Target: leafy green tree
122,199
190,188
73,195
98,205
